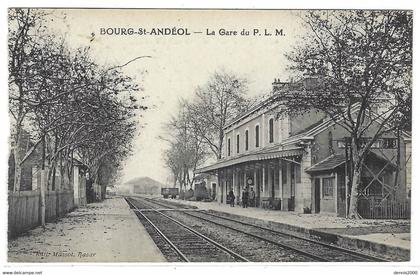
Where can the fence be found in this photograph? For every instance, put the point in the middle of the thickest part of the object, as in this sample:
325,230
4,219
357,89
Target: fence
387,209
25,209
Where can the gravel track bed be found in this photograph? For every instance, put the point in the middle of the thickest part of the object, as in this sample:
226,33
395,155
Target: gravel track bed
192,246
168,252
329,253
249,247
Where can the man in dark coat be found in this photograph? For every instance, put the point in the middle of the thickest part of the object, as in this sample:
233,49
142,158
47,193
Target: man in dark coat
245,196
232,198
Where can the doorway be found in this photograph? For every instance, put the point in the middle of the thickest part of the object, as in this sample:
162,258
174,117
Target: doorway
317,195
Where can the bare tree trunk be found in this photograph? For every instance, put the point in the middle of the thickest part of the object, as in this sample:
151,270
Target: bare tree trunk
18,167
42,191
53,162
188,178
65,174
43,183
220,149
353,214
97,187
356,172
397,172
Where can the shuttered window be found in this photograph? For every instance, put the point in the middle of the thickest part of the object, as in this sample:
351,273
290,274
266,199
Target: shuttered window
237,144
246,140
257,136
271,130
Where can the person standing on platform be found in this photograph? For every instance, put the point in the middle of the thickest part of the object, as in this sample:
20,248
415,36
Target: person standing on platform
252,197
232,198
245,196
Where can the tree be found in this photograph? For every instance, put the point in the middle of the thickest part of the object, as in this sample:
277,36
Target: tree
214,104
68,103
356,61
25,29
187,148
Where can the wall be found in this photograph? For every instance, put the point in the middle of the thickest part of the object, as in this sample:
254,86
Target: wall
82,191
280,132
303,185
299,123
250,126
26,172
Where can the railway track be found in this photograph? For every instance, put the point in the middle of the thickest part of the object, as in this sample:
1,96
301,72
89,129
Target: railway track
179,242
312,249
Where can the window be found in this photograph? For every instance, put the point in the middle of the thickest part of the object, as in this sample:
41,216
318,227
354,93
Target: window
228,147
327,187
341,144
237,143
246,140
389,143
271,130
257,136
377,144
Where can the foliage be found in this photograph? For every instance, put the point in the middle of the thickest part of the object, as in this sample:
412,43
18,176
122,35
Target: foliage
221,99
198,130
357,67
68,103
186,147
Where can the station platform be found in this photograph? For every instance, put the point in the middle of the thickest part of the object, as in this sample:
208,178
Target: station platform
108,231
387,237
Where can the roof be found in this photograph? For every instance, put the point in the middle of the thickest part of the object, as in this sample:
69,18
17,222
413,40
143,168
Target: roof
334,161
251,110
201,176
143,181
260,155
329,163
269,98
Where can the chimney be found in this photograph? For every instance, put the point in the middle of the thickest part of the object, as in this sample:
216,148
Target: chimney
278,85
311,82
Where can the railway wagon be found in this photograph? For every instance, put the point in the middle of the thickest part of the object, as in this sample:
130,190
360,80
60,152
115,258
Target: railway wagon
167,192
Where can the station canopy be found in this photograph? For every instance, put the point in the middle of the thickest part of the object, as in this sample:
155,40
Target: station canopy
257,156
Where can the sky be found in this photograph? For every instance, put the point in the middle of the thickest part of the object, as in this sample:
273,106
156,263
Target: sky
180,63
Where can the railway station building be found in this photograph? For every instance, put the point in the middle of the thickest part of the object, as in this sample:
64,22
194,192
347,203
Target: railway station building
298,163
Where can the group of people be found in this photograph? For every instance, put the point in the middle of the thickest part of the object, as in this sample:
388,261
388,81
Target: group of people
248,197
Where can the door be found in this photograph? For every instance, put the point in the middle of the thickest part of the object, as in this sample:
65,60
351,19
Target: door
317,195
341,194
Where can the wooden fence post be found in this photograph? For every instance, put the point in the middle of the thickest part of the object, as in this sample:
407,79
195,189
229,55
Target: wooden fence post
42,191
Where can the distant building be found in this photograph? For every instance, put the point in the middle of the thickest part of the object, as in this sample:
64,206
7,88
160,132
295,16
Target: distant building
298,163
144,185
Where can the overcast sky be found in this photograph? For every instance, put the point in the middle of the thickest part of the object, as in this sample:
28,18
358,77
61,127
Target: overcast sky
180,63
